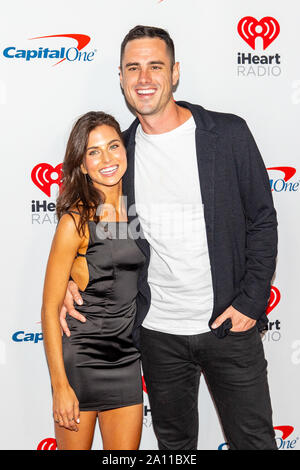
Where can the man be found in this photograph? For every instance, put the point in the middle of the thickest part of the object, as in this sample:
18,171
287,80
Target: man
205,208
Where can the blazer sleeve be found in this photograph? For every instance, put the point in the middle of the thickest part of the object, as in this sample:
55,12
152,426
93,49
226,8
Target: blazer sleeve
261,223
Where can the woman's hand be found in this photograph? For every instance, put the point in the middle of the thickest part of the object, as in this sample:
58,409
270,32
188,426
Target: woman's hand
66,408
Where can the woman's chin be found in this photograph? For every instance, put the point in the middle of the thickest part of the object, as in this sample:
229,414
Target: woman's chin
107,181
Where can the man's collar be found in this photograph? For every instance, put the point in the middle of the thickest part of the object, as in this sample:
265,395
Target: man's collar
202,118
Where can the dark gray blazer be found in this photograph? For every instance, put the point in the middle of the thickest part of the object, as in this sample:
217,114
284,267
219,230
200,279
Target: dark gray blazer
240,218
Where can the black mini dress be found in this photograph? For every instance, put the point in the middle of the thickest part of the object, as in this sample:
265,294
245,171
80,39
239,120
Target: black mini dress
101,362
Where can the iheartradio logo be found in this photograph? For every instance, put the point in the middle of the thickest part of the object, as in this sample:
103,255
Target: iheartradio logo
274,300
250,28
47,444
254,65
144,384
44,175
272,331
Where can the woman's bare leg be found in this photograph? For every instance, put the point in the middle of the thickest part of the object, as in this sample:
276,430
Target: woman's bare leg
121,428
80,440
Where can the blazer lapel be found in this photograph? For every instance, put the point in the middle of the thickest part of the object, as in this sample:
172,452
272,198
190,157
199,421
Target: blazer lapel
128,178
206,151
128,191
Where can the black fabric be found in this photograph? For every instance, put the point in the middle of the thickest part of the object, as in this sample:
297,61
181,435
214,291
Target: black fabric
240,218
101,361
236,373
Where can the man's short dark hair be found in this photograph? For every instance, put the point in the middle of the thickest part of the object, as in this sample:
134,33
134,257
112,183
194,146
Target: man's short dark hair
139,32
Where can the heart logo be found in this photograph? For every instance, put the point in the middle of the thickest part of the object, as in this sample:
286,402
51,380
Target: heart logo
274,299
47,444
44,175
267,28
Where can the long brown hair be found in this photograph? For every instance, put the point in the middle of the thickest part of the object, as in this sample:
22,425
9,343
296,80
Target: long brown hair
77,190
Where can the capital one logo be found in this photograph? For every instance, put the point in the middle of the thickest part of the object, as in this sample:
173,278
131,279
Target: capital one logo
44,175
282,180
283,442
250,28
70,54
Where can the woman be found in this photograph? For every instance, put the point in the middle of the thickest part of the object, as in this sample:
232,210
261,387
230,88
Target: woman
96,371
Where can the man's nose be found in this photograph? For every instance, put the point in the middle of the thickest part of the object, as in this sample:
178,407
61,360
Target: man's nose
144,76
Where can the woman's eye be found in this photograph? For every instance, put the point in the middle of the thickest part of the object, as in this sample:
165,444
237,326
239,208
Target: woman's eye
93,152
113,147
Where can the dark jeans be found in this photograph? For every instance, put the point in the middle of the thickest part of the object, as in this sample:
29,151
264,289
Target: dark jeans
235,369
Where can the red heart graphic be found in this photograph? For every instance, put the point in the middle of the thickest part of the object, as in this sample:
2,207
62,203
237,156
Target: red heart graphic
47,444
42,177
274,299
267,28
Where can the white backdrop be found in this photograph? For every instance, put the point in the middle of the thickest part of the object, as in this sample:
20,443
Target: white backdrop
39,102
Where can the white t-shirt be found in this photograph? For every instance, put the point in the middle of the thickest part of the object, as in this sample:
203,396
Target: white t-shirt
170,210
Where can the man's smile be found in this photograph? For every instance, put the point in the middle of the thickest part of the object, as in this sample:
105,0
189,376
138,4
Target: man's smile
145,92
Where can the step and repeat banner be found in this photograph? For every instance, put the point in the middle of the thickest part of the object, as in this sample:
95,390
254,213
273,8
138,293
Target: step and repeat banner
60,59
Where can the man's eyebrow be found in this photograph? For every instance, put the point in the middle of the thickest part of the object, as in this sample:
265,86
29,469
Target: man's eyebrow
98,146
157,62
152,62
130,64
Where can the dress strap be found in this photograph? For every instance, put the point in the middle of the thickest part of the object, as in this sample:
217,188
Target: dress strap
74,212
